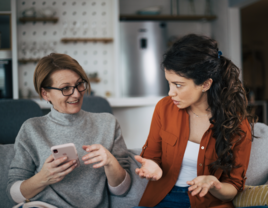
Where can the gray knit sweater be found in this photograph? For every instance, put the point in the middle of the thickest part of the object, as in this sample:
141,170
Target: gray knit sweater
84,186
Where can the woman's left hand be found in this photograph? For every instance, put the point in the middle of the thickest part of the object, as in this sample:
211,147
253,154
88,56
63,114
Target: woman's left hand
97,154
202,184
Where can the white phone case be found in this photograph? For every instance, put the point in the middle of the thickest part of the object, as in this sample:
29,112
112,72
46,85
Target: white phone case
63,150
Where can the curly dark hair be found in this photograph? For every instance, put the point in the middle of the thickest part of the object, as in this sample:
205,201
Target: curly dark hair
196,57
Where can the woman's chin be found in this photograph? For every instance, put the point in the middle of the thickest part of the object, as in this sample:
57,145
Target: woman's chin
73,109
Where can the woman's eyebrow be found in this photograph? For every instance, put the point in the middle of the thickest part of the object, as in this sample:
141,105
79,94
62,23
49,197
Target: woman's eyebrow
69,83
177,82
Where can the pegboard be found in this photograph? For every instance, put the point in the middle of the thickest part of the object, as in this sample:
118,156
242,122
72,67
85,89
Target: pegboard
77,19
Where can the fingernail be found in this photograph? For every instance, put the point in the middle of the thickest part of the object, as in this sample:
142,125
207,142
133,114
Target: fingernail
74,161
65,158
87,149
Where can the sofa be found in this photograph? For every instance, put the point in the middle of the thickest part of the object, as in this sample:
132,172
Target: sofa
11,110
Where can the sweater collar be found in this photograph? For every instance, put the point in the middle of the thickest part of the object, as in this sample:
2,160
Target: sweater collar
65,118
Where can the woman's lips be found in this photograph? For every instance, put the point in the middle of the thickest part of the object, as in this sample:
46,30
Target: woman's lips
176,102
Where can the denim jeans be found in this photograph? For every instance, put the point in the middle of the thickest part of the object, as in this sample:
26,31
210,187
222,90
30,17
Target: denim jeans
178,197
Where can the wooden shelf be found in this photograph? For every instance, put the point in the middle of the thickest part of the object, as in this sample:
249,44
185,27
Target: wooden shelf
25,61
168,17
94,80
104,40
38,19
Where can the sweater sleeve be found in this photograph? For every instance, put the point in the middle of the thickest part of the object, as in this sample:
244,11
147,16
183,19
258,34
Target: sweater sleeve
122,187
16,193
120,152
22,166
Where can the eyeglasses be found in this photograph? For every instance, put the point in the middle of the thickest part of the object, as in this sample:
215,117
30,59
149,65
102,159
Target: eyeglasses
69,90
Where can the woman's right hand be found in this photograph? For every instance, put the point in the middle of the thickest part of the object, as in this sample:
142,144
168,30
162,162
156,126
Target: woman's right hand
54,171
149,169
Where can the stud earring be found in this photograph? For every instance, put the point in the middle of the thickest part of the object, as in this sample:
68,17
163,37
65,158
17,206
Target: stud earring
203,90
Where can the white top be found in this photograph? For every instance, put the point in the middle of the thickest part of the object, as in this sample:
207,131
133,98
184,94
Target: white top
189,164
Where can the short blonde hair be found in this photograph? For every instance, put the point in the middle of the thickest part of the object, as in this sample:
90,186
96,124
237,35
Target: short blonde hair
51,63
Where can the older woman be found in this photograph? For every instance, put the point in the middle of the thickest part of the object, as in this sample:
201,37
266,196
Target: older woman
36,176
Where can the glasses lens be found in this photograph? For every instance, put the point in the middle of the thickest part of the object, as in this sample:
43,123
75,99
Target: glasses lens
67,90
82,86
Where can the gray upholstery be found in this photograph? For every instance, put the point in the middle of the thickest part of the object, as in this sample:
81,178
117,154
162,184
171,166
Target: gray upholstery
257,173
12,114
6,155
96,104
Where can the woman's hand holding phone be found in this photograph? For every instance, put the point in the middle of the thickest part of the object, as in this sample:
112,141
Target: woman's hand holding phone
54,170
149,169
97,154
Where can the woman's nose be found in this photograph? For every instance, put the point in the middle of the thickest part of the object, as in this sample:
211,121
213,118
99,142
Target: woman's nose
171,92
76,92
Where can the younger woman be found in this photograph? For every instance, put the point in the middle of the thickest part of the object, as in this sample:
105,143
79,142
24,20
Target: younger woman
198,148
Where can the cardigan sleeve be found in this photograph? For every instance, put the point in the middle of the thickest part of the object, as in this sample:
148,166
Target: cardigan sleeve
241,153
152,149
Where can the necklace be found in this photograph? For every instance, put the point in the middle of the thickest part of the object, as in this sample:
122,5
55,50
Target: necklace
198,115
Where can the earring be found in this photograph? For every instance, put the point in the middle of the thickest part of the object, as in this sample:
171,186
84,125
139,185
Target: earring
203,90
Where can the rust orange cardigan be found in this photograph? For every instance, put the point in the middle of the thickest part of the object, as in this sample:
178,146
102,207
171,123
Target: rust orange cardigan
166,144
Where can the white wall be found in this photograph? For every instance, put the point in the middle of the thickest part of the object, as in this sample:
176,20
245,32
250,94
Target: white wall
135,124
220,26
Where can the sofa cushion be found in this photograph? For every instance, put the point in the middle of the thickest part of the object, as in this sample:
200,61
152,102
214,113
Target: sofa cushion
137,188
257,173
13,114
252,196
6,155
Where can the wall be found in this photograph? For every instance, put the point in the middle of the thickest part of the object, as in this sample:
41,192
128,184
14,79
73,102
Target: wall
135,124
220,26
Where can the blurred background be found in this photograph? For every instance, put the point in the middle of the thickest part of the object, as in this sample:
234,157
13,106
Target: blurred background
120,44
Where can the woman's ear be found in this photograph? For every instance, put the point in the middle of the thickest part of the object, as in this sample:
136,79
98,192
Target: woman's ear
44,94
206,85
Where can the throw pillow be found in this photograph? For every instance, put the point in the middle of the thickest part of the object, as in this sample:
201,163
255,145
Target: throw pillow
252,196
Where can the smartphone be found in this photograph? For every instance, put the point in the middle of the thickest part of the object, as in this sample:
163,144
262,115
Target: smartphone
67,150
